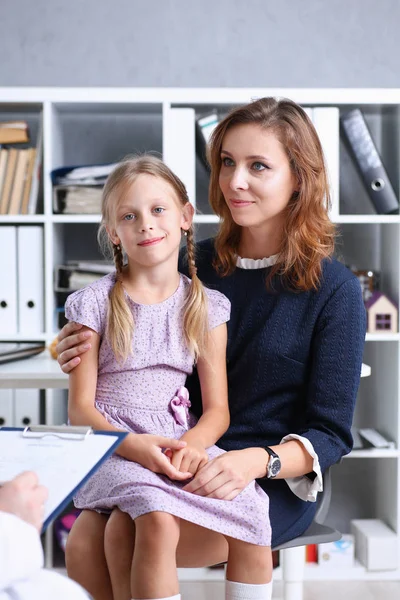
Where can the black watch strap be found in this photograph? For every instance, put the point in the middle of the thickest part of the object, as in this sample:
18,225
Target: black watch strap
273,464
270,451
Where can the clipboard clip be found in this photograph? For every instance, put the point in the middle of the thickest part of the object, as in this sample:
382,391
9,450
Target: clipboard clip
65,432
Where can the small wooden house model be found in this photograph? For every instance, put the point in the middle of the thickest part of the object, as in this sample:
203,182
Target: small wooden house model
382,314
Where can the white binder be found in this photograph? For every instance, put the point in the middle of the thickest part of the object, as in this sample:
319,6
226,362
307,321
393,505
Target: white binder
179,146
30,279
26,407
6,408
326,122
8,280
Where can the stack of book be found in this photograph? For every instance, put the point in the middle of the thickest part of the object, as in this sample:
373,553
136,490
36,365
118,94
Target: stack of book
19,169
78,190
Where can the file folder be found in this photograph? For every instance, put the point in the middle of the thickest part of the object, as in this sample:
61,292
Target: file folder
63,457
179,147
26,407
30,279
369,163
326,123
8,280
6,408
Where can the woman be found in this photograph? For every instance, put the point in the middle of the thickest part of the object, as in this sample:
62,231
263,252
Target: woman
295,338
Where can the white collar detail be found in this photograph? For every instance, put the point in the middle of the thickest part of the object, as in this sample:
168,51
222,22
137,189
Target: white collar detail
259,263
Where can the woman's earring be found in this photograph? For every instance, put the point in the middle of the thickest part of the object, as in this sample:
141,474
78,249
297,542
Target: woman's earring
184,232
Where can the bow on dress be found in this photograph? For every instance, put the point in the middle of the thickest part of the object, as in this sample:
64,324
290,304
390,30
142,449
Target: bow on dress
180,407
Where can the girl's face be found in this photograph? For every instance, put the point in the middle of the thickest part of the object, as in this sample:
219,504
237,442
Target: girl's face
148,221
255,177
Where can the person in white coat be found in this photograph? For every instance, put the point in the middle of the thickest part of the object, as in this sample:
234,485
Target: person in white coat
21,555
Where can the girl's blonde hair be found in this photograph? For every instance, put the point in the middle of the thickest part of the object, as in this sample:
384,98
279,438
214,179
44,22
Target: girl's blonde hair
120,323
308,235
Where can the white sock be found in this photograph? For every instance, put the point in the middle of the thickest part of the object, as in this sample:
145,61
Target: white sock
248,591
176,597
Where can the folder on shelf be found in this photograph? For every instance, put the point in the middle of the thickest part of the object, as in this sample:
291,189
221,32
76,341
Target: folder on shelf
8,280
369,163
64,458
26,407
30,279
6,408
179,147
326,122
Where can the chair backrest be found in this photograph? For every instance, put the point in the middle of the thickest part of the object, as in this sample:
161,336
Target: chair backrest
324,498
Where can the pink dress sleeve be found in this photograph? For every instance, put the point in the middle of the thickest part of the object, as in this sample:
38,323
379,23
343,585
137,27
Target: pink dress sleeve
219,308
83,307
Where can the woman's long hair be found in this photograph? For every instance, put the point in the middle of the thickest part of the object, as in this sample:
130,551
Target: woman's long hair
120,323
308,236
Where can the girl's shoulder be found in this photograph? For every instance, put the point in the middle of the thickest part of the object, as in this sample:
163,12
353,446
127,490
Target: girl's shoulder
88,306
99,289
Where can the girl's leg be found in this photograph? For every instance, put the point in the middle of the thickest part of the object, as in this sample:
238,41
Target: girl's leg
249,571
197,547
119,543
154,573
84,555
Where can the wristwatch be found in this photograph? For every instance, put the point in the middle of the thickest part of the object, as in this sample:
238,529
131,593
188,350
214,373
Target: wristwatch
274,463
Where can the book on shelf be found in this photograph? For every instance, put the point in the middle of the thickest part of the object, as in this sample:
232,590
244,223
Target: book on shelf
10,351
20,177
77,274
8,180
369,162
77,199
14,132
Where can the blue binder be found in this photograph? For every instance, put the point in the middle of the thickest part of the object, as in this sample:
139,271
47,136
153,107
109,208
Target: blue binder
64,458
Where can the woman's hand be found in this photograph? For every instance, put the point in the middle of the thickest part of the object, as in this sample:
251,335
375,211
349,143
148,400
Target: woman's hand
189,459
225,476
147,450
71,344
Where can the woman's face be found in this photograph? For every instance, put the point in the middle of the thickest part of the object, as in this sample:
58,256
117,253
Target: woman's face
255,177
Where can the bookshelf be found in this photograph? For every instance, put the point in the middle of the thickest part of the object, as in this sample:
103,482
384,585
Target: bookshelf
99,125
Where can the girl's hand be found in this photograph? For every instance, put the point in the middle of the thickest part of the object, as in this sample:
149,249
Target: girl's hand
189,459
146,450
223,477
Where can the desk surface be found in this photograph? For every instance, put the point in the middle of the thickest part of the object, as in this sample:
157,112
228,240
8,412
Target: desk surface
40,372
43,372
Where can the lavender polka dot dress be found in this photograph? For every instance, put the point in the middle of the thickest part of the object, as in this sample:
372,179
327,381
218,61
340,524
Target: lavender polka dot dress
141,397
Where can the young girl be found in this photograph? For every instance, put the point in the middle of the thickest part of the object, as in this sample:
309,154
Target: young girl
150,324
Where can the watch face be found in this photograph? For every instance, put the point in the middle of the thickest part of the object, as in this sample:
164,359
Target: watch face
274,466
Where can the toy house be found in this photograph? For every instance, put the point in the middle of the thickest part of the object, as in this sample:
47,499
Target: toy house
382,314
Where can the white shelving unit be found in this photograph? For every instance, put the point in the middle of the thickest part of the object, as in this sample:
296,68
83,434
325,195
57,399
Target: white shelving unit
97,125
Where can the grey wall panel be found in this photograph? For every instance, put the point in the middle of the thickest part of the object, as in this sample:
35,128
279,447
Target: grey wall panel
314,43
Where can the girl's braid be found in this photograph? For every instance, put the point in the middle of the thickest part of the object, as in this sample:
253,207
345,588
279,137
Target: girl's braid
118,259
190,253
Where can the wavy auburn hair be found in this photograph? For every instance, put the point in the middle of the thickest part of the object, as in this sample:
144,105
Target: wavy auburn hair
120,323
308,236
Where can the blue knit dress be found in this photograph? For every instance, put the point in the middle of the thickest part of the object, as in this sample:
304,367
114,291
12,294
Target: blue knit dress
294,363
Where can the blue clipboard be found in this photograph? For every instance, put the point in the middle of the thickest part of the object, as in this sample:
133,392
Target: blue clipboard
48,450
